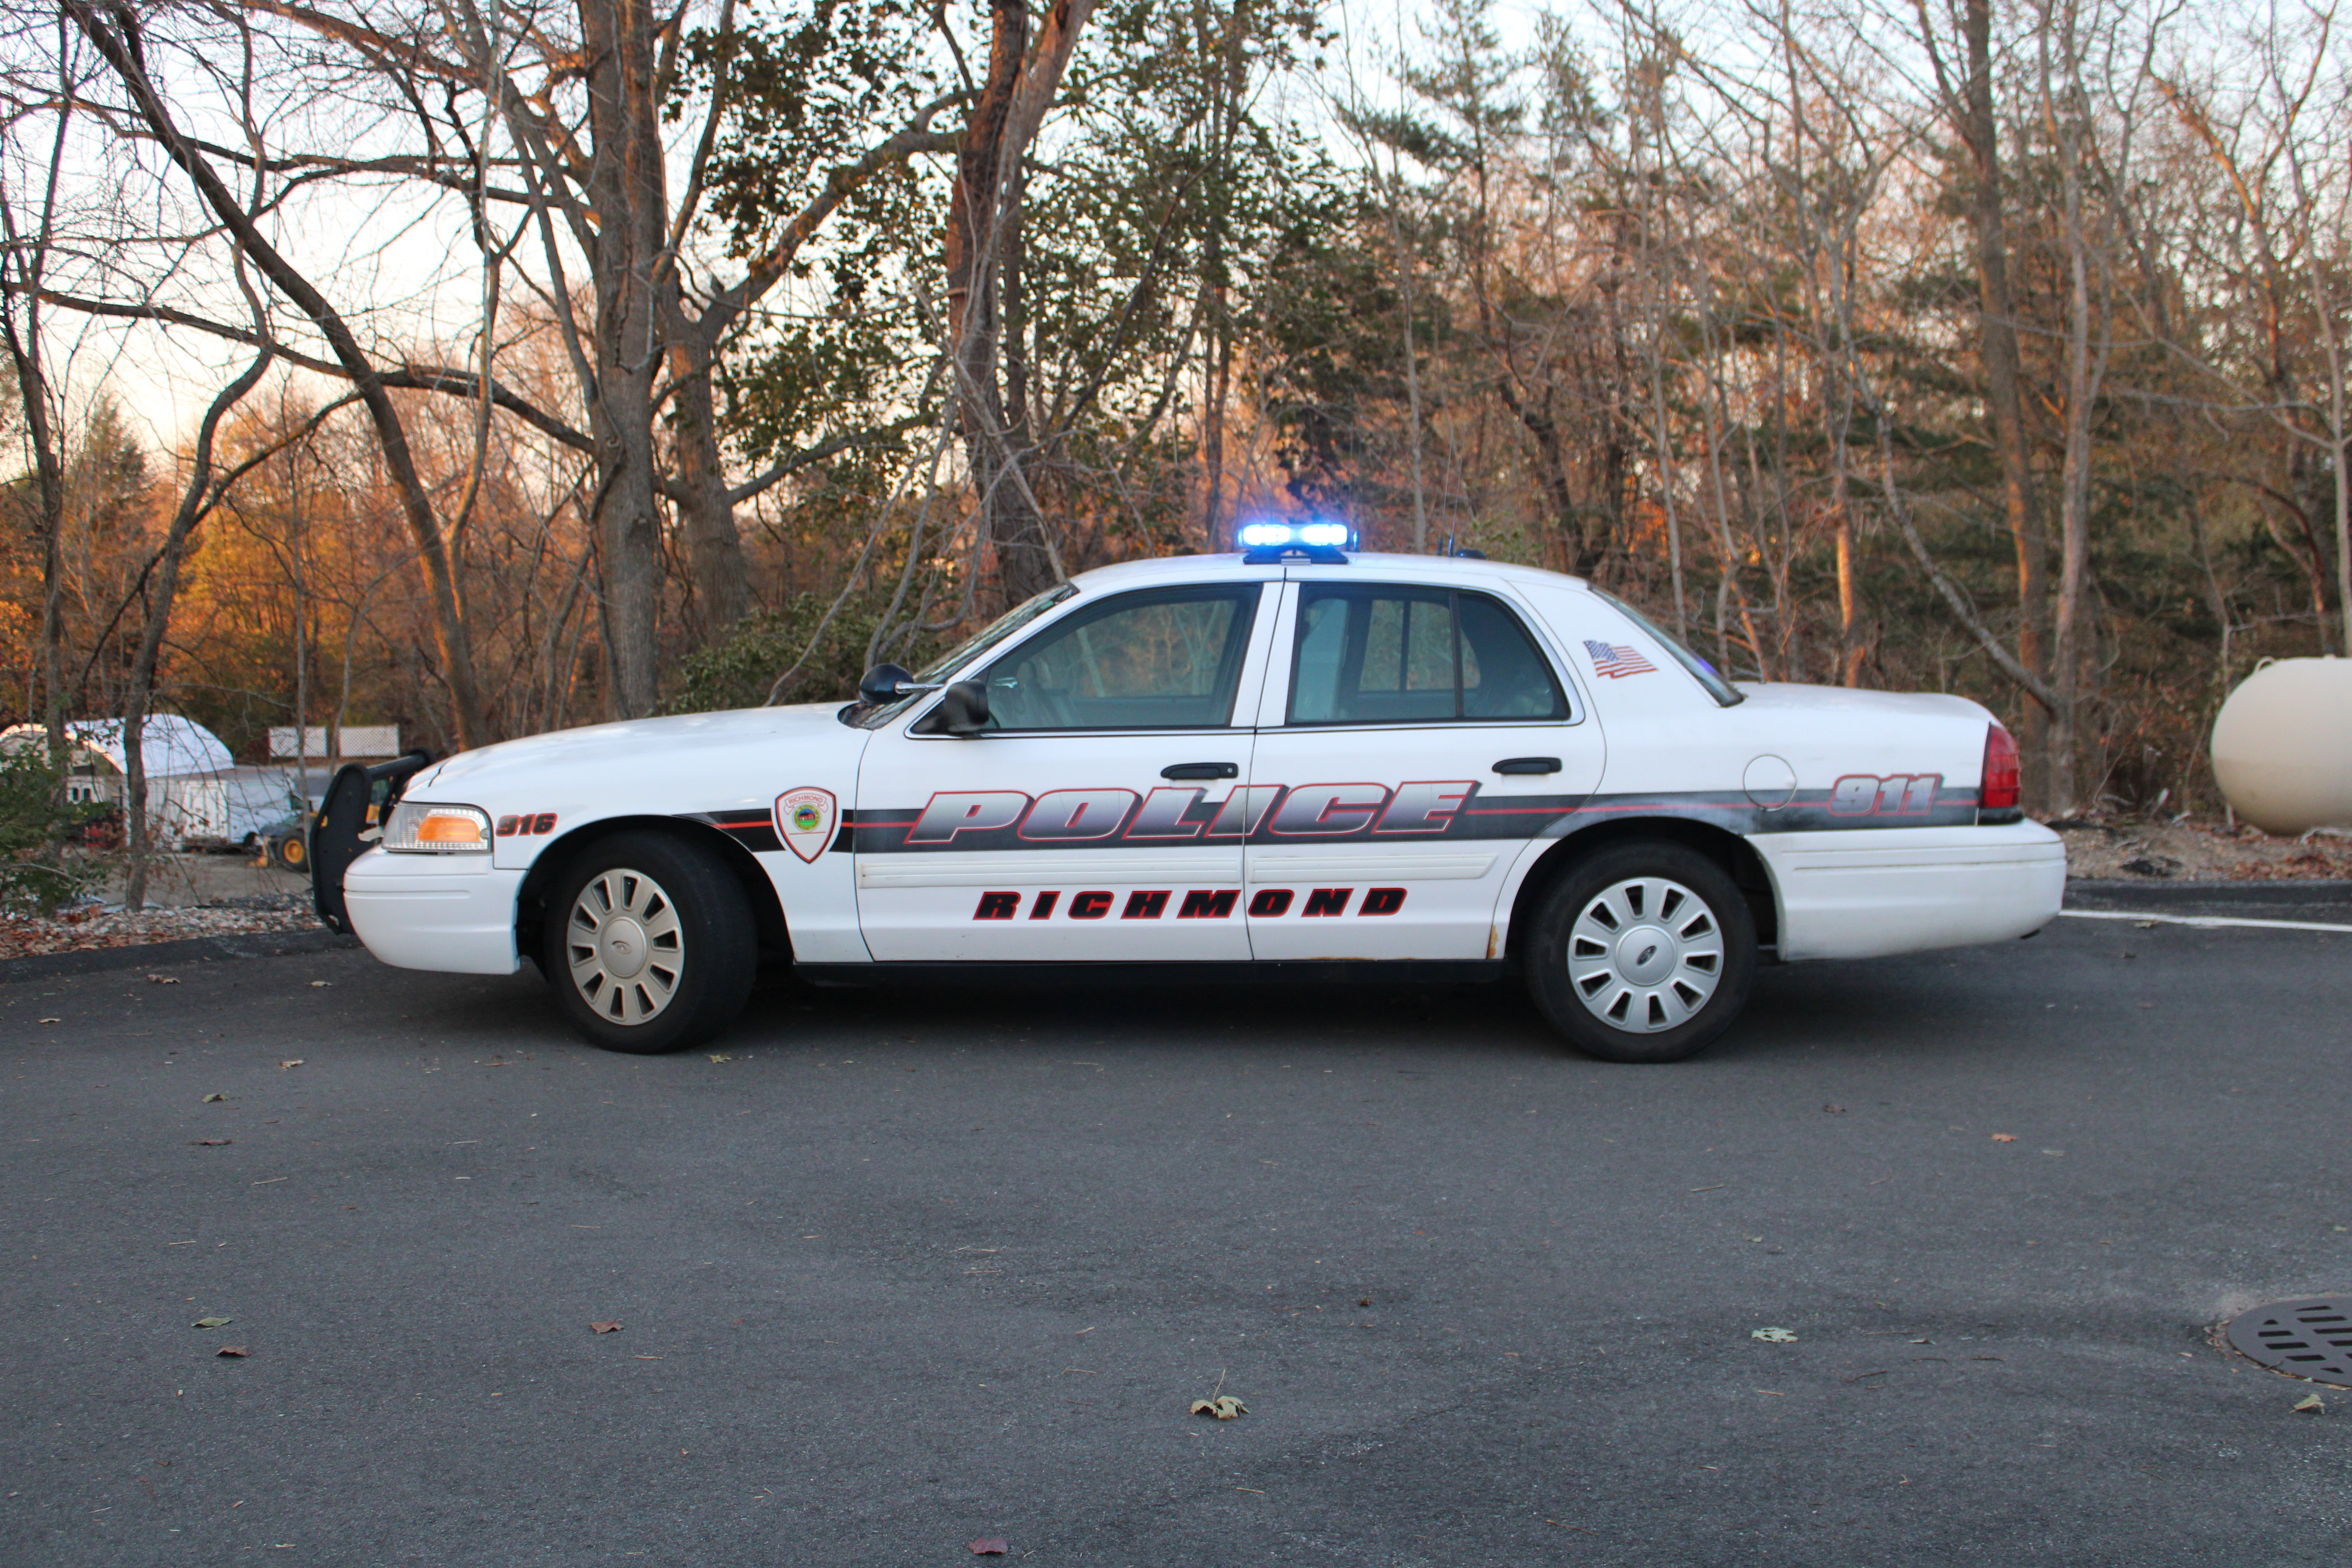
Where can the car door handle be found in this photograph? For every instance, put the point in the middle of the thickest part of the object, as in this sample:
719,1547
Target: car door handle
1528,765
1200,771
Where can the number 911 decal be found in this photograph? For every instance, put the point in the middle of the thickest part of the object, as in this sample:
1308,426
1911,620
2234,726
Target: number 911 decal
1893,794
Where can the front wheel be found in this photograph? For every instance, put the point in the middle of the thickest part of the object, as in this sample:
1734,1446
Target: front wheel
1642,952
649,944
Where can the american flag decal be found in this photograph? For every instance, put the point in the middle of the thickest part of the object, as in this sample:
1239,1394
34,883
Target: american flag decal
1613,660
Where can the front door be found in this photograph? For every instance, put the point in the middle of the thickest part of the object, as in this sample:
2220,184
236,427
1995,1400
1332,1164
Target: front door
1091,820
1416,738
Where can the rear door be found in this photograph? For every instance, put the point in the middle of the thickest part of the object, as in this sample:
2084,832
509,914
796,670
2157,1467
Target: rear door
1415,738
1090,822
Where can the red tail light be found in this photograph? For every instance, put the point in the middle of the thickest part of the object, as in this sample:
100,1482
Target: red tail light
2000,792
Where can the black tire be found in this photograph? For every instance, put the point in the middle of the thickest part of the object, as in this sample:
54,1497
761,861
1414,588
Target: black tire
694,944
1671,972
292,852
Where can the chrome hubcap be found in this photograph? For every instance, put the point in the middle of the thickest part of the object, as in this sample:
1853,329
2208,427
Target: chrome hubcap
1645,955
624,946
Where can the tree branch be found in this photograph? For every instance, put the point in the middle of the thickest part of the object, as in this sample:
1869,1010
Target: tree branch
408,378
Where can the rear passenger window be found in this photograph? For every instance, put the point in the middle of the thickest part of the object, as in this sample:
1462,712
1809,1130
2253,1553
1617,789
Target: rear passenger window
1383,655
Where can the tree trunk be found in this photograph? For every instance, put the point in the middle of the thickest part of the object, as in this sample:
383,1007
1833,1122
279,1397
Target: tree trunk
981,237
33,395
2067,651
2004,376
194,502
722,584
629,188
49,465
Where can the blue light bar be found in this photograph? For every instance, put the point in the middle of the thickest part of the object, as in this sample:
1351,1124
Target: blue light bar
1256,536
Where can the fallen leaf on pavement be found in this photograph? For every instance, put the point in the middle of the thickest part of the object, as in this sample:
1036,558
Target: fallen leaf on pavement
2310,1404
605,1328
211,1143
1834,1110
52,1020
210,1098
990,1546
1224,1408
295,1062
2004,1137
1773,1336
716,1057
320,985
163,980
214,1322
238,1350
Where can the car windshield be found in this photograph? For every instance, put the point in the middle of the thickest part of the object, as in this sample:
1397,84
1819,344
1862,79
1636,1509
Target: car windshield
956,658
1722,691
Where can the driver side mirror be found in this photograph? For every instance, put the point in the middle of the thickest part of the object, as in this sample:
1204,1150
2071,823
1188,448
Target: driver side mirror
963,712
887,683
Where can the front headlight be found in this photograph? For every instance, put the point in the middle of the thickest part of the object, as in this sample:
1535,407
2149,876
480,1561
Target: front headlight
419,829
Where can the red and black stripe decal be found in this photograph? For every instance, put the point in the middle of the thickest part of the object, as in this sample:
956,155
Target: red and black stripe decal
754,830
889,831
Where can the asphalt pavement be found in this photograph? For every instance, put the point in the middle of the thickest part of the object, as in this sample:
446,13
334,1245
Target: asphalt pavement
896,1273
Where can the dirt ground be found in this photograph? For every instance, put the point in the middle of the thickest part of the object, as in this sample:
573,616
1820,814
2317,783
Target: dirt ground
2189,850
183,882
187,895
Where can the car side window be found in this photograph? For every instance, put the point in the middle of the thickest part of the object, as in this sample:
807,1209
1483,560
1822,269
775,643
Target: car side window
1165,659
1381,654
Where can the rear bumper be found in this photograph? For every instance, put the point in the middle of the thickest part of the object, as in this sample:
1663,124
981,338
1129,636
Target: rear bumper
1870,891
414,911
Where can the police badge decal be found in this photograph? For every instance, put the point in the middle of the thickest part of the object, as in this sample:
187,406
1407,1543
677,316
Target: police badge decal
804,819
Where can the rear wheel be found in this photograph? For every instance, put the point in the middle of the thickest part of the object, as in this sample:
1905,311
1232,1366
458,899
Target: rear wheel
1642,952
293,852
649,944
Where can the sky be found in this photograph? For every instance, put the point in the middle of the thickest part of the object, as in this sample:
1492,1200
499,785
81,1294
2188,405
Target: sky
398,264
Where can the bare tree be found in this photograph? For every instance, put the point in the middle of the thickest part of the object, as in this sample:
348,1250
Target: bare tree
1959,53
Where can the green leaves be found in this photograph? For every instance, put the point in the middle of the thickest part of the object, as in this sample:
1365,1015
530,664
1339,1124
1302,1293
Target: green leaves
1224,1408
37,871
737,672
805,86
214,1323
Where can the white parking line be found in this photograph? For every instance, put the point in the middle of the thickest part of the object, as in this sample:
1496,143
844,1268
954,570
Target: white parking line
2151,919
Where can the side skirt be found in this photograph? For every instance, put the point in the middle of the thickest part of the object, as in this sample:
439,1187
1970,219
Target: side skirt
1325,972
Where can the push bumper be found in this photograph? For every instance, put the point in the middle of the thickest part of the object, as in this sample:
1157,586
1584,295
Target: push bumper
1873,891
418,911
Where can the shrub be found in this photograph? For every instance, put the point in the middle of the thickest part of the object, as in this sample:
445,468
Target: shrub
37,871
737,672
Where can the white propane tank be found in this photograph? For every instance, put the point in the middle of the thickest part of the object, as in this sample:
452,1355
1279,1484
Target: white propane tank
2283,746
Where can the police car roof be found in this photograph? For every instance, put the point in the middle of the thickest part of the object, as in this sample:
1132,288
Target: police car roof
1447,569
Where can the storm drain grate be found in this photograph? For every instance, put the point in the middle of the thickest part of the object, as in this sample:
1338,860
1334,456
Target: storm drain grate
2311,1339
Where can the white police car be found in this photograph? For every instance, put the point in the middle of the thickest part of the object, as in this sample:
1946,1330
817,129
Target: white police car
1440,767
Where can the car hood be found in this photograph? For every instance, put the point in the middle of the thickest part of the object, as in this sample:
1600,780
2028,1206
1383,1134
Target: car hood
707,749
